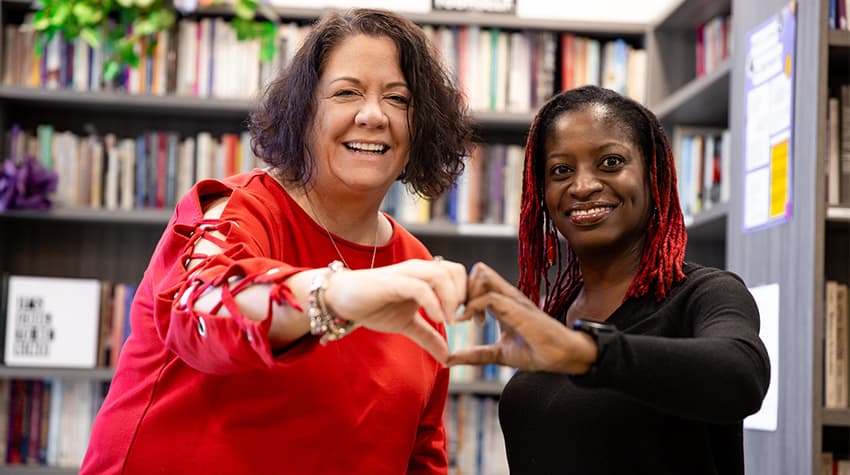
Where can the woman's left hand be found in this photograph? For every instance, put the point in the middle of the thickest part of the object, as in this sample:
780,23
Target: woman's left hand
529,338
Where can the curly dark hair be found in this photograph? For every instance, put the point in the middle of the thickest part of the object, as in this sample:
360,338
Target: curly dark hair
440,133
666,237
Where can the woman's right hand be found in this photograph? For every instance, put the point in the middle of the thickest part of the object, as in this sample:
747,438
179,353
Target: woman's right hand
529,339
388,299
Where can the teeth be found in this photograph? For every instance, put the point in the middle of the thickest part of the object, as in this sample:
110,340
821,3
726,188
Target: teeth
586,212
366,147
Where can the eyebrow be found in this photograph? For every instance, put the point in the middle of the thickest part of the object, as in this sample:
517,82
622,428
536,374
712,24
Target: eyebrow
598,149
358,82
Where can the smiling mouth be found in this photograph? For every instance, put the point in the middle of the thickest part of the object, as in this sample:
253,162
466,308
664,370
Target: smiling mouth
590,215
371,148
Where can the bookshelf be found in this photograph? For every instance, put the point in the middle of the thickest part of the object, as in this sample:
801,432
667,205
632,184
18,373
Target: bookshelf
115,245
799,255
680,97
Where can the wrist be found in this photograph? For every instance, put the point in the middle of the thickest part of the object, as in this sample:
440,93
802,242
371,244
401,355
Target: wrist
600,335
323,321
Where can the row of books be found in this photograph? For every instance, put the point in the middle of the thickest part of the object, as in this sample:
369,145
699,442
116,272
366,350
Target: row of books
156,168
836,372
831,464
489,191
152,170
703,164
469,334
475,442
196,58
837,16
498,70
838,153
713,43
47,422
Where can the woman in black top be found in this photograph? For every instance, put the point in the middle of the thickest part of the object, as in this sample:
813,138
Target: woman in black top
639,363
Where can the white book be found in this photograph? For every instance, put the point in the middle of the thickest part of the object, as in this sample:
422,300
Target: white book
204,156
833,168
726,166
519,73
187,50
127,173
113,164
501,57
185,167
52,322
80,79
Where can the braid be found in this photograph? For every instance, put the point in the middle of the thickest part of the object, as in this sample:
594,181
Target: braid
664,251
539,246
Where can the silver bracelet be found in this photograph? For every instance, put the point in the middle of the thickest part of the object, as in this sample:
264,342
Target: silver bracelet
322,321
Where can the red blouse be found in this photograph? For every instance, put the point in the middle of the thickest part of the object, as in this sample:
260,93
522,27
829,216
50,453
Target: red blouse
213,398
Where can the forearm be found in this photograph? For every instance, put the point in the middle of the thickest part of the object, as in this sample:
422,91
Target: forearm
288,323
714,379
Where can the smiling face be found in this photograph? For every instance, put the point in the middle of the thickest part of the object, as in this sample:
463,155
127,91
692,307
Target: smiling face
360,140
596,187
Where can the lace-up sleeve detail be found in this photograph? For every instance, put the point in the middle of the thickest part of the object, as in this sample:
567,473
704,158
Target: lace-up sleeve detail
217,341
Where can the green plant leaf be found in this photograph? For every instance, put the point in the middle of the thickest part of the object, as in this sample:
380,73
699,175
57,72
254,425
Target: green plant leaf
245,9
91,36
111,70
60,15
144,27
268,49
84,12
41,24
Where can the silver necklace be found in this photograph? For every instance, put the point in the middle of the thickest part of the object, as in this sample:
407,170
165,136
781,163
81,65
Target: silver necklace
330,236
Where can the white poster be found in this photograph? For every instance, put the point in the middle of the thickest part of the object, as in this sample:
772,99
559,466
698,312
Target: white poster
52,322
767,299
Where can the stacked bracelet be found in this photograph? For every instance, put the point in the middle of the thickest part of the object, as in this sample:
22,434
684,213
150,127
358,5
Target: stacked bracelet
322,322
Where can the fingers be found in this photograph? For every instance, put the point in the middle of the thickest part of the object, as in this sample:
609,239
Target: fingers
483,279
428,338
419,291
476,355
446,281
456,287
505,310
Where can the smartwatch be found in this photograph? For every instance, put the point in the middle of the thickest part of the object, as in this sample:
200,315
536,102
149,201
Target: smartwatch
601,332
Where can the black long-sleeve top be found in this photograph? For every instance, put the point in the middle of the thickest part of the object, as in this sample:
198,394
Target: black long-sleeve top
668,395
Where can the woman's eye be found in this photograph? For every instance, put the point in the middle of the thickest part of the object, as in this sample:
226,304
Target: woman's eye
612,161
344,93
399,99
559,170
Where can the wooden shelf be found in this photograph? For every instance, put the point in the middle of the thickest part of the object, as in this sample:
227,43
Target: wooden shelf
96,374
688,15
37,469
484,388
488,20
155,217
196,106
70,99
703,101
838,214
836,417
160,217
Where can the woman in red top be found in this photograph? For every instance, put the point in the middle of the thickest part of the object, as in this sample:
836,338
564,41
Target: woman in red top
236,361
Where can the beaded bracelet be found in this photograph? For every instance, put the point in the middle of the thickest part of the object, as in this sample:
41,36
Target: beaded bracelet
322,322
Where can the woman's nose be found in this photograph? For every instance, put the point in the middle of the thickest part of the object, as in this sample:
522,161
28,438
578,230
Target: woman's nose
371,115
585,184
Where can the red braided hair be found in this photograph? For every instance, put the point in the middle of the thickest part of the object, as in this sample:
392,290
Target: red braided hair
539,248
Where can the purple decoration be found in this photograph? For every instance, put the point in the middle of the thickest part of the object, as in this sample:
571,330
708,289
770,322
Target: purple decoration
26,185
